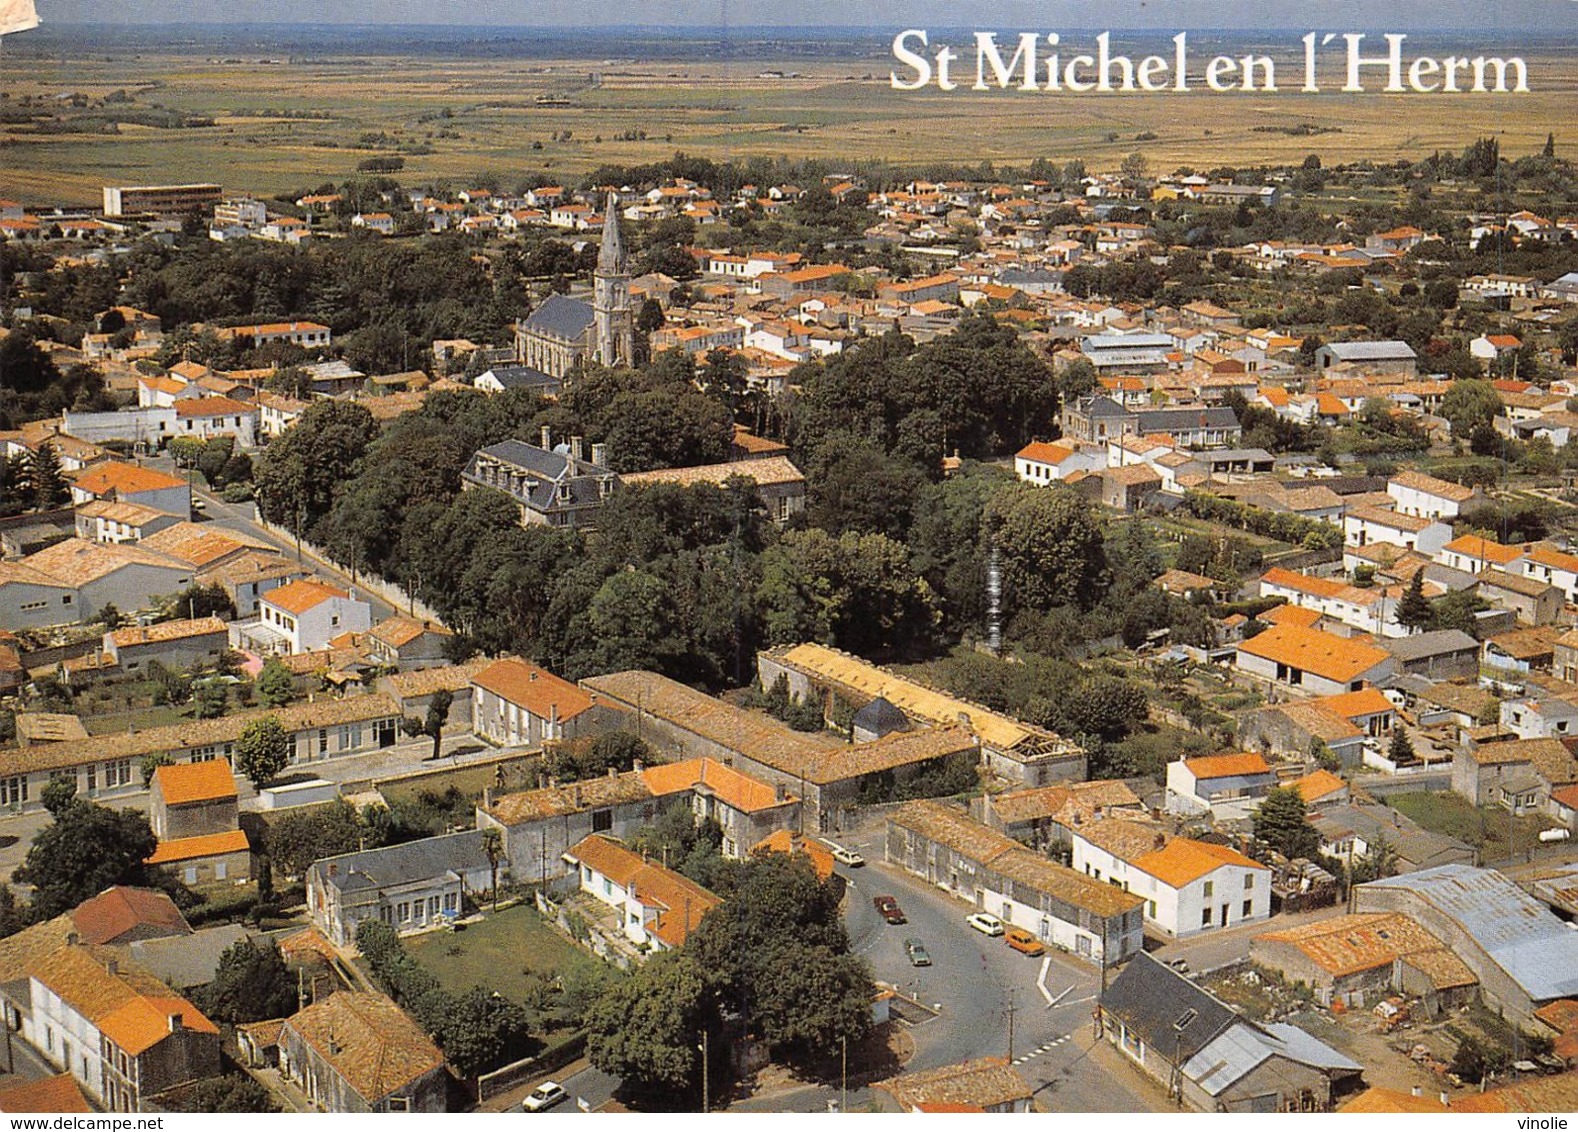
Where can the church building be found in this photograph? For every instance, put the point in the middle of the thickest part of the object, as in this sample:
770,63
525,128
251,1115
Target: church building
562,331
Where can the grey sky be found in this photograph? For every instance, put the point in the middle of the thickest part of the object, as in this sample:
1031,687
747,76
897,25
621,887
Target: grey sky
1496,16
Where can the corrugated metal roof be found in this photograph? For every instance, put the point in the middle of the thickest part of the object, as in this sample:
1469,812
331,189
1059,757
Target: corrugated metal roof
1524,939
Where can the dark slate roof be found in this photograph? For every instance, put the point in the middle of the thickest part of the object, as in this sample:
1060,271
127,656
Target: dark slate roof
526,377
186,961
1369,351
880,717
1170,1013
561,317
1172,420
1098,408
402,864
545,470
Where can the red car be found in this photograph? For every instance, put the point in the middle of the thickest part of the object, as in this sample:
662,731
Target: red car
888,908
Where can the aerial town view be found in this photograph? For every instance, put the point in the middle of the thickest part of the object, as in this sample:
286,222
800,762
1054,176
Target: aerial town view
607,570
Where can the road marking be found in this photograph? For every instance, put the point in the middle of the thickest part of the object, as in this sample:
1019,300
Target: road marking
1061,997
1041,1049
1041,981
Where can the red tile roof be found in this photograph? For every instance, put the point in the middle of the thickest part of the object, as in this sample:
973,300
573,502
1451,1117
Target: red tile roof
57,1094
536,689
204,845
112,913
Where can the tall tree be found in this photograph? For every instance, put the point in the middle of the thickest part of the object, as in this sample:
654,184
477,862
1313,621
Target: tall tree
1051,548
262,750
47,481
275,685
432,724
646,1029
1282,821
86,849
251,984
1414,611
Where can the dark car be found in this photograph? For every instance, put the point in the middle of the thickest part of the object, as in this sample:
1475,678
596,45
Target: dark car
888,908
916,950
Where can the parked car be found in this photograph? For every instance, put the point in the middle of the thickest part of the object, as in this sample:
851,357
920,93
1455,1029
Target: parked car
985,923
845,856
916,950
888,908
544,1097
1023,942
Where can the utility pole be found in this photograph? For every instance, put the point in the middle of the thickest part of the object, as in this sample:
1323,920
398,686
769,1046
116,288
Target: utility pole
843,1088
1010,1025
705,1100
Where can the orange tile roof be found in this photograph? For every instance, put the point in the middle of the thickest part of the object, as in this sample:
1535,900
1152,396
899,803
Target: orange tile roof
682,902
1353,705
1477,546
536,689
1378,1100
735,788
213,407
163,631
1304,583
206,781
1321,654
115,911
1317,785
112,475
144,1022
368,1041
205,845
1184,860
1289,615
301,595
787,841
1043,453
1228,766
58,1094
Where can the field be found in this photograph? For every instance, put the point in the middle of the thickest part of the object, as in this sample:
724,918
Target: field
290,124
1483,827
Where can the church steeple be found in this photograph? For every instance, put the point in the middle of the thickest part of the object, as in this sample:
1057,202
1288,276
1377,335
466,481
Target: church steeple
611,257
613,322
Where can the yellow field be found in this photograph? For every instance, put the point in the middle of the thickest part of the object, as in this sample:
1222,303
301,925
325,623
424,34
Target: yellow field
480,119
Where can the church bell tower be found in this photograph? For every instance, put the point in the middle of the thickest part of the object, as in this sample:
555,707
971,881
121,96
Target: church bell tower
613,324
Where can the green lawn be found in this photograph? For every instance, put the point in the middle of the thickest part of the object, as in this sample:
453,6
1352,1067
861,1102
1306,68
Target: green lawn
507,952
1485,827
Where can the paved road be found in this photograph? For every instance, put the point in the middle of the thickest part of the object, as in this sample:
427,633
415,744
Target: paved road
241,517
976,980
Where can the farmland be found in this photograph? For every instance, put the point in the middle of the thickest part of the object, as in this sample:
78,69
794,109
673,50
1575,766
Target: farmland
288,123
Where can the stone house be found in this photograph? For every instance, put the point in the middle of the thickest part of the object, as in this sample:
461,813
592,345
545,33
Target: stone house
356,1051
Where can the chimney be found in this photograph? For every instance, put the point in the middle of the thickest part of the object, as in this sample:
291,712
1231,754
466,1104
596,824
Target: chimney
532,675
72,939
334,869
1418,1091
575,449
638,766
577,793
176,1026
779,793
547,438
487,797
600,455
1161,840
113,966
1446,1101
613,772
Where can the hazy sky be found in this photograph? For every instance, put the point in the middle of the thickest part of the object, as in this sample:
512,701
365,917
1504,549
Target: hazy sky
1493,15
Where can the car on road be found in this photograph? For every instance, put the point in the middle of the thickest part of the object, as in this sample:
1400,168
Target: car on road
1023,942
544,1097
986,923
916,950
845,856
888,908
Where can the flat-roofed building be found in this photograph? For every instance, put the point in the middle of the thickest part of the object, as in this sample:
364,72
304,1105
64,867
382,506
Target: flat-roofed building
161,200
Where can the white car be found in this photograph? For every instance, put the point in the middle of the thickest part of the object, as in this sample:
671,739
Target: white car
987,924
544,1097
845,856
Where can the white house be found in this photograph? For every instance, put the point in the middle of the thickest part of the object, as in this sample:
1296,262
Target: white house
305,615
1042,463
1363,525
515,703
1188,886
1219,778
1474,553
1554,567
1419,494
208,417
276,413
657,907
1369,610
1315,661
